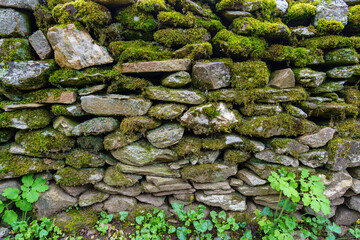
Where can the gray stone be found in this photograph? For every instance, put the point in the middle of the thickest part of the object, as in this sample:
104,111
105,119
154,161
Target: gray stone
65,125
336,9
14,23
213,186
355,172
76,49
329,109
343,153
91,90
229,202
165,135
74,110
26,75
303,32
155,66
12,183
341,57
343,72
356,186
115,178
40,44
70,177
336,183
14,106
52,201
231,15
96,126
234,182
354,203
80,158
158,181
261,190
141,124
270,156
283,78
288,146
345,216
314,158
132,191
329,87
218,192
352,2
208,76
142,153
117,203
118,139
174,95
75,191
295,111
149,199
318,139
184,191
151,188
27,4
308,77
91,143
208,173
115,105
282,5
167,111
209,118
152,170
91,197
250,178
176,80
262,109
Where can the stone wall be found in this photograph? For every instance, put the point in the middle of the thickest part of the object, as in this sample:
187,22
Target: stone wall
193,100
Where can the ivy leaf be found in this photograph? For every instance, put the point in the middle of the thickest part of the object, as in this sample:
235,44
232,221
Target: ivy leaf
123,215
27,180
11,193
31,196
24,205
222,215
139,219
10,217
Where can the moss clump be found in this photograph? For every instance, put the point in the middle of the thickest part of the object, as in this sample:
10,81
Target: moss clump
179,37
12,49
187,146
300,57
126,83
348,128
300,14
91,14
29,119
114,177
328,42
238,47
354,15
43,17
254,27
91,143
53,3
42,95
195,51
329,26
213,143
67,110
74,220
351,95
205,173
138,124
134,19
79,158
176,19
70,177
210,111
249,75
213,25
63,74
139,50
44,141
229,5
151,5
234,157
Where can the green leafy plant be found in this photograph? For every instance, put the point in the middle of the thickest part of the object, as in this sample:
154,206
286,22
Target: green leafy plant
314,227
23,199
102,225
356,231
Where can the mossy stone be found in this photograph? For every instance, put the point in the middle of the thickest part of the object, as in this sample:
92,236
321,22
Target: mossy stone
332,26
80,158
118,139
249,75
188,145
234,157
69,176
300,14
176,19
114,177
180,37
345,56
208,173
25,119
151,5
12,49
138,124
195,51
6,134
43,17
91,143
135,19
328,42
329,109
74,110
349,128
75,220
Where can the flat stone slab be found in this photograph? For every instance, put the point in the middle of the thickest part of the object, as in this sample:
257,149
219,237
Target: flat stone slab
229,202
165,135
23,4
174,95
96,126
152,170
156,66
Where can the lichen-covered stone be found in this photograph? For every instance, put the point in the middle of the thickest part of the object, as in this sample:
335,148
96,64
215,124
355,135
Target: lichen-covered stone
207,173
117,203
118,139
140,124
151,170
174,95
344,56
46,95
142,153
80,158
318,139
343,72
74,110
115,178
314,158
261,109
136,19
343,153
65,125
335,10
336,183
188,145
69,176
232,156
250,178
231,202
180,37
270,156
208,76
91,143
204,157
14,23
12,49
165,135
91,197
328,87
328,109
166,111
155,66
132,191
308,77
28,5
288,146
176,80
96,126
261,190
40,44
25,119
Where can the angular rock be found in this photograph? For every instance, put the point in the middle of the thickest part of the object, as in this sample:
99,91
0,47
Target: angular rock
152,170
76,49
208,76
96,126
261,190
210,118
270,156
250,178
48,95
69,176
132,191
308,77
283,79
26,75
230,202
91,143
329,109
167,111
14,23
165,135
115,105
91,90
117,203
91,197
76,190
118,139
113,177
149,199
318,139
336,9
80,158
340,57
204,157
354,203
142,153
208,173
158,181
345,216
336,183
14,106
176,80
174,95
140,124
343,153
303,32
185,191
65,125
288,146
40,44
314,158
28,5
52,201
156,66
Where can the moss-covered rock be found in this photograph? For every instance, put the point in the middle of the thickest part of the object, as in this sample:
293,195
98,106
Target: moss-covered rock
300,14
180,37
74,221
329,109
354,19
195,51
328,42
249,75
96,126
340,57
176,19
43,17
261,110
79,158
288,146
151,5
118,139
238,47
348,128
74,110
69,176
6,134
138,124
12,49
351,95
234,157
279,125
188,145
166,111
135,19
208,173
25,119
91,143
229,5
328,87
89,76
213,25
332,26
114,177
53,95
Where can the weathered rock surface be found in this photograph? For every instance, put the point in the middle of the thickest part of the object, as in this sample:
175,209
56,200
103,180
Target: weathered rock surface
204,157
208,76
165,135
176,80
250,178
343,153
80,158
336,10
91,197
288,146
283,78
166,111
76,49
152,170
230,202
314,158
309,78
40,44
337,183
261,190
345,216
118,139
174,95
207,173
14,23
29,4
318,139
156,66
115,178
96,126
270,156
149,199
117,203
74,177
65,125
132,191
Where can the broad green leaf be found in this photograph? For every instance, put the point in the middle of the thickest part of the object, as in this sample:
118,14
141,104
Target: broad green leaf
266,212
171,230
1,206
181,233
222,215
9,217
139,219
40,185
123,215
24,205
27,180
31,196
315,205
11,193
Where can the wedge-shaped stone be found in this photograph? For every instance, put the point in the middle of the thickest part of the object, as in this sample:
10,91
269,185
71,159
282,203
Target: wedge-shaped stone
250,178
28,4
318,139
174,95
308,77
115,105
314,158
152,170
40,44
151,188
262,190
118,139
80,158
336,183
132,191
229,202
207,76
156,66
288,146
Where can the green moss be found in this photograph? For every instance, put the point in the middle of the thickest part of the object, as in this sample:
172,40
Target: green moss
12,49
328,42
213,26
195,51
126,83
348,128
238,47
134,19
210,111
43,17
151,5
179,37
69,176
77,220
229,5
354,15
300,14
43,141
351,95
208,172
131,51
57,76
329,26
176,19
52,3
32,119
79,159
67,110
234,157
91,14
249,75
213,143
138,124
253,27
114,177
42,95
187,146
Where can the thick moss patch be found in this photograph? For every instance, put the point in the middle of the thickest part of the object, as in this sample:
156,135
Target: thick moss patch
249,75
25,119
180,37
300,14
135,19
176,19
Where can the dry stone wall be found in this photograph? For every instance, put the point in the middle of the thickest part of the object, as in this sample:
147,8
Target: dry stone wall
127,105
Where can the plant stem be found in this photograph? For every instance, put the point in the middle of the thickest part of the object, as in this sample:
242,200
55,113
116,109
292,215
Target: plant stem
282,210
277,207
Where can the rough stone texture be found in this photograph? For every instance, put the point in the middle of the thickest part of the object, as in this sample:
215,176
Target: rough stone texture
208,76
174,95
28,4
117,203
230,202
152,170
343,154
142,153
337,185
206,173
114,177
149,199
345,216
91,197
75,191
118,139
65,125
344,56
26,75
176,80
40,44
114,2
261,190
342,72
166,111
318,139
115,105
14,23
356,186
250,178
270,156
96,126
156,66
76,49
231,15
52,201
288,146
132,191
309,78
165,135
354,203
337,10
151,188
283,78
314,158
204,157
74,177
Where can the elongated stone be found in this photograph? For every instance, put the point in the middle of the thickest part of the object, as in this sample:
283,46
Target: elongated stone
152,170
174,95
165,135
96,126
156,66
230,202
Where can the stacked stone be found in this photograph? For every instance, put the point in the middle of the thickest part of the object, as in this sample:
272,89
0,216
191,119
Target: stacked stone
193,102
